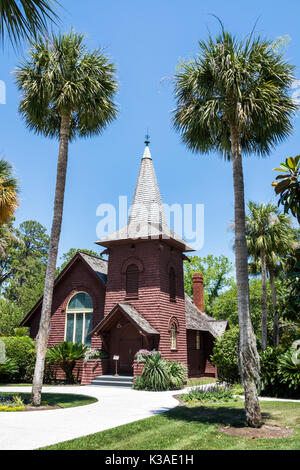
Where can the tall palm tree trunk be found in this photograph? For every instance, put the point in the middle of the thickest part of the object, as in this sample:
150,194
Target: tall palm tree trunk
247,357
264,304
274,302
44,329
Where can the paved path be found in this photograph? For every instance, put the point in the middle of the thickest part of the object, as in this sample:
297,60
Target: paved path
34,429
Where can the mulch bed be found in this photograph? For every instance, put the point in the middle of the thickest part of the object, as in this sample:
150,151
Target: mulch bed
42,407
267,431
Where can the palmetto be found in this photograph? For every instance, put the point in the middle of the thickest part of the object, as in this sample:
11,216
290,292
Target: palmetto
234,98
8,192
68,93
66,354
23,19
269,238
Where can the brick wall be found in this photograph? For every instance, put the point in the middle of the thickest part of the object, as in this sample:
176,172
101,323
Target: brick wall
153,300
58,374
93,368
137,369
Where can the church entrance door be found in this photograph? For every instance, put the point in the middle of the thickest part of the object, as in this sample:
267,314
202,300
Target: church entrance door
130,343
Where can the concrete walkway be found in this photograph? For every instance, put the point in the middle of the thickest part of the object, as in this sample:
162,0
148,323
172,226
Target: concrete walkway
116,406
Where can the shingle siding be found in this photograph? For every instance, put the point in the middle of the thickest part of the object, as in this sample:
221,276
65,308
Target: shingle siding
79,278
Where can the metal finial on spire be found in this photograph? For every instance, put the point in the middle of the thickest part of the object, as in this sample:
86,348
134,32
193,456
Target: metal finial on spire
147,136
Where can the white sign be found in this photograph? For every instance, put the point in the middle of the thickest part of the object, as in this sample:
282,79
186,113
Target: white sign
116,358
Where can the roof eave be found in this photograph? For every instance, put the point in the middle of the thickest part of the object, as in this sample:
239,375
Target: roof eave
122,241
108,317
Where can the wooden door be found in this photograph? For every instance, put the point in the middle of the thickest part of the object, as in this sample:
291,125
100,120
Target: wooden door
130,343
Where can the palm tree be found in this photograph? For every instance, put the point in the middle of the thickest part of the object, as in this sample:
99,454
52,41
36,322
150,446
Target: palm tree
68,92
23,19
269,238
8,192
233,98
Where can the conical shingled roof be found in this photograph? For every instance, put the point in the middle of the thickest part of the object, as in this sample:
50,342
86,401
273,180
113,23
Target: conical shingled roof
147,218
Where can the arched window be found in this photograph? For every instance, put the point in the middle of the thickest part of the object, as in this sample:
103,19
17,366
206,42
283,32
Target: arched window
132,280
79,319
172,284
173,334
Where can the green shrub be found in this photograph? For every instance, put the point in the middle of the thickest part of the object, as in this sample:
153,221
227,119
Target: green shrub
289,369
8,369
217,393
177,375
21,331
160,374
21,350
225,354
156,373
280,372
139,383
270,384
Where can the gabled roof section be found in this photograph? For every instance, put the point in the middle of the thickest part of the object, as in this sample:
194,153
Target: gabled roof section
147,218
97,265
196,320
132,314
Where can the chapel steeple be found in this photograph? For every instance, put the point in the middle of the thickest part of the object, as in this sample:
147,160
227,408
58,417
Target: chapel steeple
147,218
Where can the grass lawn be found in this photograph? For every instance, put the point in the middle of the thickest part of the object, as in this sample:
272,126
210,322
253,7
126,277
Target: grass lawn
193,427
64,400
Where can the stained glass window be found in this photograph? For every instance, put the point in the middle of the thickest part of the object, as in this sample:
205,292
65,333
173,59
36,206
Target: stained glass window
173,336
79,319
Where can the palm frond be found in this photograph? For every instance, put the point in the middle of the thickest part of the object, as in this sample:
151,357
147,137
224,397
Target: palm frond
24,19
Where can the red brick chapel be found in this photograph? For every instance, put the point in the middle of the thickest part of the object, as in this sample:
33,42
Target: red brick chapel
135,299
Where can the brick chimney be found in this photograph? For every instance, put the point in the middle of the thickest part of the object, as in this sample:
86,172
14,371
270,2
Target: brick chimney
198,291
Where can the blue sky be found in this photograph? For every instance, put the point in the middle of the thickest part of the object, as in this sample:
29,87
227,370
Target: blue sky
145,40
